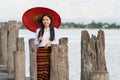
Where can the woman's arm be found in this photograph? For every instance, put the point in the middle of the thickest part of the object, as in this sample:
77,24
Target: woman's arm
36,41
55,41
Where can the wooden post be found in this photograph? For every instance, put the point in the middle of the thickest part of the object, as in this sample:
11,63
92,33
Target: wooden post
19,60
101,52
3,46
33,65
54,63
20,44
92,54
59,67
99,76
11,47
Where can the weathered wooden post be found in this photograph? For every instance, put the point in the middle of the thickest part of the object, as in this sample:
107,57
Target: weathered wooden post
93,64
59,67
12,34
19,60
20,44
33,65
3,46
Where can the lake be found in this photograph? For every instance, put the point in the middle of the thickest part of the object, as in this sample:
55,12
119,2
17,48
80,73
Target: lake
112,50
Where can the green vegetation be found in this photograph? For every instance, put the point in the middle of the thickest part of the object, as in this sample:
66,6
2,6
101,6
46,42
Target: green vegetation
92,25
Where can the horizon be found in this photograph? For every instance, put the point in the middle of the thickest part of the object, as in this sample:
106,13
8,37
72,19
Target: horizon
81,20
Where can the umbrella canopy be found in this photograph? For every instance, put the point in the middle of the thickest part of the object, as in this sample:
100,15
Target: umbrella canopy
31,16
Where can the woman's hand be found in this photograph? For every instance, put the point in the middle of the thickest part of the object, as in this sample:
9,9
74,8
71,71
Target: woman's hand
48,44
40,39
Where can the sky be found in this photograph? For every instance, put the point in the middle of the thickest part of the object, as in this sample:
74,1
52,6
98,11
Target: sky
83,11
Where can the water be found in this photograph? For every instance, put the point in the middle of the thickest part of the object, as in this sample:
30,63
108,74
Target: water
112,50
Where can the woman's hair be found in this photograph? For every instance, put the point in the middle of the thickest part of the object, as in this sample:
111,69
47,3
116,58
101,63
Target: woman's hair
41,32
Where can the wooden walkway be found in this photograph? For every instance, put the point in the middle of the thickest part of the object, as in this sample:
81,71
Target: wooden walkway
4,75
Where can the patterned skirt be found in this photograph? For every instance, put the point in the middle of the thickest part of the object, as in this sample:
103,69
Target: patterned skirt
43,63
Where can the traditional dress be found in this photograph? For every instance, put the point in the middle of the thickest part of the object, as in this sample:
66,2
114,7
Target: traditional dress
43,63
43,55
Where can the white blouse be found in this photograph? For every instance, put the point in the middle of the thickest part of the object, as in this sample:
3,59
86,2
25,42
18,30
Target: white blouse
46,37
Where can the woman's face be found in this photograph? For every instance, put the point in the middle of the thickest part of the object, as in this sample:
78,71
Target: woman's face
46,21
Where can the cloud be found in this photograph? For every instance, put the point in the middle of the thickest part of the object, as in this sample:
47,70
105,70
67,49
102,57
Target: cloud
99,9
12,9
88,9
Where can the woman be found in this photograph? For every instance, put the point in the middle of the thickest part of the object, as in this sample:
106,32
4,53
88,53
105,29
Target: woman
45,36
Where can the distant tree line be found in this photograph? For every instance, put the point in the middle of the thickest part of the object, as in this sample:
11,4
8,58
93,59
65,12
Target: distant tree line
92,25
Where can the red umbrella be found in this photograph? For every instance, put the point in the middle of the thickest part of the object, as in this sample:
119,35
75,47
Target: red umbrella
31,16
